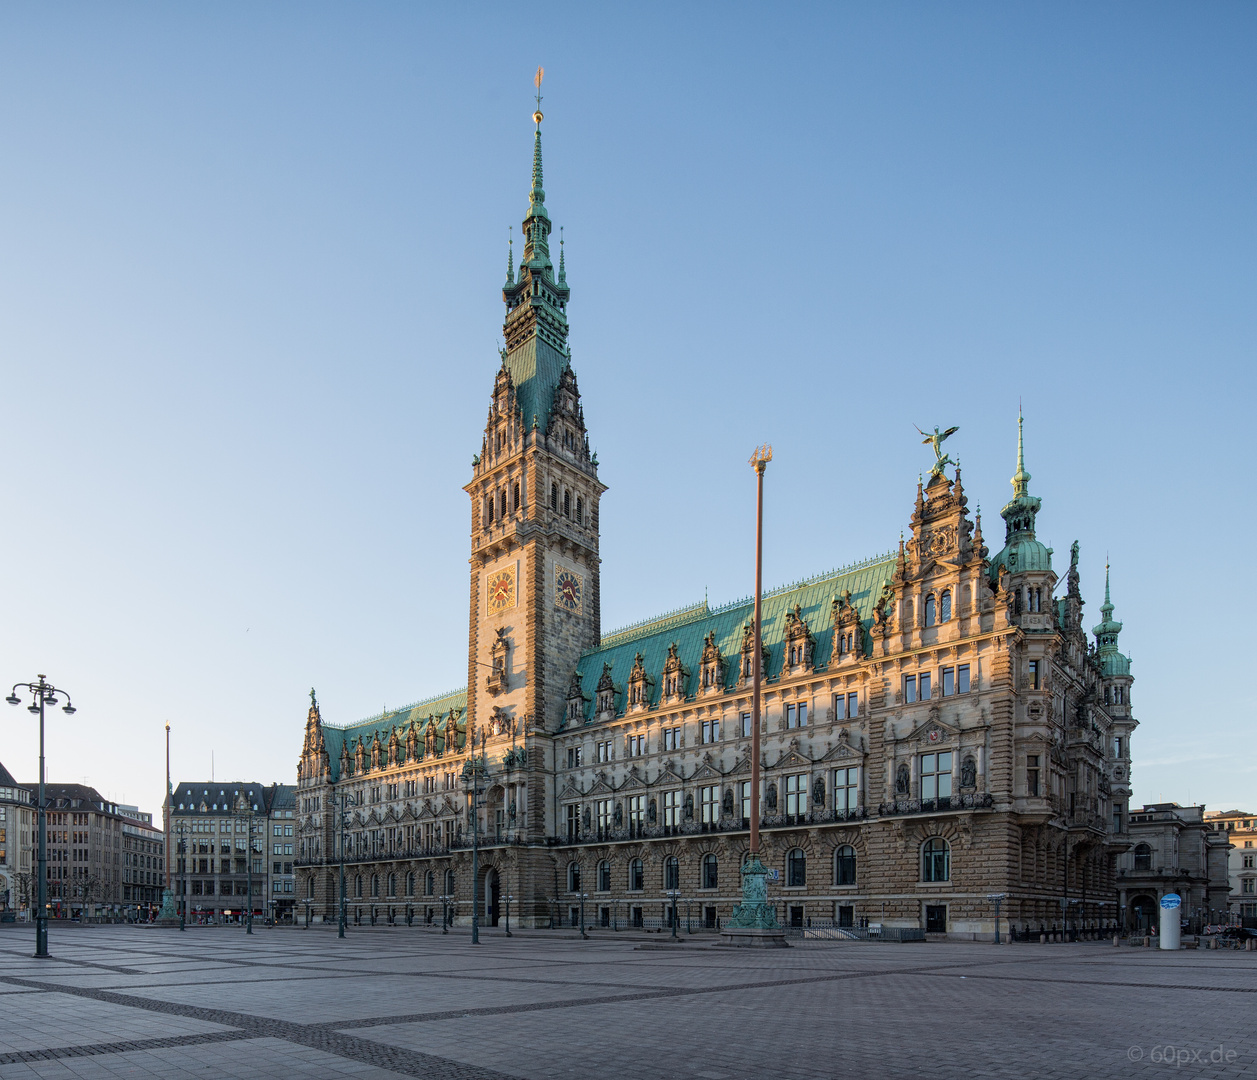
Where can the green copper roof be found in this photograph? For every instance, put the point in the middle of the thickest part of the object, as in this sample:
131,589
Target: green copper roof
535,368
434,710
1112,662
689,626
1021,550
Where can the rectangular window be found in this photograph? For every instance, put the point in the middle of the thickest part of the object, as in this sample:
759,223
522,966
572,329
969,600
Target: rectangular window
796,794
637,810
604,750
672,738
711,731
1117,746
744,797
846,789
672,808
925,686
573,822
709,801
909,689
1034,674
1247,884
796,714
936,775
962,679
1032,774
636,745
840,706
604,808
746,725
853,706
573,757
949,681
1248,862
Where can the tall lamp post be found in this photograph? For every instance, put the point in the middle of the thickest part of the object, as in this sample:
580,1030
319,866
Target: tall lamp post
182,830
754,920
244,809
471,779
42,693
346,801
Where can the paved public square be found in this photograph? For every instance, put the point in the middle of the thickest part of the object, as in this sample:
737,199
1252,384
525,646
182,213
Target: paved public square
147,1002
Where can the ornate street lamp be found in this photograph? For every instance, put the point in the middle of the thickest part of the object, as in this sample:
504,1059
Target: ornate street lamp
509,898
471,780
674,895
42,693
244,811
346,801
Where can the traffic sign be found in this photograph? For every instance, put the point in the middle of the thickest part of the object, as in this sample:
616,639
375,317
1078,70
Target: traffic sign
1170,901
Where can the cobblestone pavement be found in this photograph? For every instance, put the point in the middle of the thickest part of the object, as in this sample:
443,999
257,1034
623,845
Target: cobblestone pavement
144,1002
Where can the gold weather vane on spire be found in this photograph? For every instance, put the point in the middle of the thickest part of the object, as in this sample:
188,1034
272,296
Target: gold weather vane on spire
541,74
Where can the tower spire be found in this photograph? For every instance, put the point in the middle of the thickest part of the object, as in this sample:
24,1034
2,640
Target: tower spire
1021,478
510,257
562,267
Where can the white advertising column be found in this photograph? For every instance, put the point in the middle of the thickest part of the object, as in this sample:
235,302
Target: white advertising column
1169,920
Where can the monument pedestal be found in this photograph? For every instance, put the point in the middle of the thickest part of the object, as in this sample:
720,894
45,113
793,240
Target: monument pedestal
169,913
753,923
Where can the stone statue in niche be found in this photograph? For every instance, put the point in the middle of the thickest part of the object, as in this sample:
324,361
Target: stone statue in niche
619,814
652,811
689,806
968,773
902,780
818,792
586,818
727,802
770,797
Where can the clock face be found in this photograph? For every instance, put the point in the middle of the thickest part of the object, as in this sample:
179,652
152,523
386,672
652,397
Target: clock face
501,588
567,589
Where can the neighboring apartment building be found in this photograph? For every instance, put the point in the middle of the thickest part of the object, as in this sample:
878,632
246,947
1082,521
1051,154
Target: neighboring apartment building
143,863
1240,828
937,724
216,868
17,852
1173,850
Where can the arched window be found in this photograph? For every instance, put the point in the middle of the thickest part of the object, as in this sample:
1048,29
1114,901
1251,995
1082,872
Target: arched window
567,503
935,860
636,877
929,610
844,865
604,876
573,877
944,610
488,509
796,868
310,888
908,611
358,886
671,872
449,883
515,495
429,884
580,511
711,871
375,885
1143,857
554,497
410,884
392,885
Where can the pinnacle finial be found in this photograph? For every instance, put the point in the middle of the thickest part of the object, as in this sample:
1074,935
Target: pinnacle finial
1107,601
1021,479
537,117
562,265
510,256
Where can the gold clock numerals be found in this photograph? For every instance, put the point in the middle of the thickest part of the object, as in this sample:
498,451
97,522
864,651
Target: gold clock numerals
501,589
568,590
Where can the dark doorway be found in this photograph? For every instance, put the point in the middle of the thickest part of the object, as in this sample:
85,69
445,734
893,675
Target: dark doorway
796,916
936,918
1143,912
492,889
846,915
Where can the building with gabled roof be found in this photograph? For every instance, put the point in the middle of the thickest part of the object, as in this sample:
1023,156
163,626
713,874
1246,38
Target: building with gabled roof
937,728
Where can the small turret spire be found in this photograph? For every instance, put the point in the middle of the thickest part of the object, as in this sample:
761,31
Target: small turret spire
510,257
1021,479
562,265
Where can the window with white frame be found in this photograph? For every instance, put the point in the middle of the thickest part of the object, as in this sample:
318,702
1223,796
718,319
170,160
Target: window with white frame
709,803
936,775
605,809
796,794
603,748
846,789
744,798
637,810
672,808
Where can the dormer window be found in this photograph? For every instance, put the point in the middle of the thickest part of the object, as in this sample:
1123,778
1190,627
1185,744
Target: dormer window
639,685
799,640
713,664
606,691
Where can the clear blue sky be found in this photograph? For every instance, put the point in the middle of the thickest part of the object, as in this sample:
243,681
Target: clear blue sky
250,262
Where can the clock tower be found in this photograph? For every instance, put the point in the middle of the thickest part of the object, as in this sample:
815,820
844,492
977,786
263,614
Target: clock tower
534,530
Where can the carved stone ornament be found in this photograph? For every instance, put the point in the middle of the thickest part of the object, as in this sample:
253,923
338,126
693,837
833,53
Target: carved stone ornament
903,780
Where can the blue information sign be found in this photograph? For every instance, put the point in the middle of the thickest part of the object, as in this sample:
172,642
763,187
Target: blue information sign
1171,900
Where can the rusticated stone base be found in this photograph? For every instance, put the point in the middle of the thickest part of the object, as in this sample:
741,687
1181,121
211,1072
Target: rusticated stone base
754,938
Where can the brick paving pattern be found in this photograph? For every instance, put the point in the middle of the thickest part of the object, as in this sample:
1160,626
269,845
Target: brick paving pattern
140,1002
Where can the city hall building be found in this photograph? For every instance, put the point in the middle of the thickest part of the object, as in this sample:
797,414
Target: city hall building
937,726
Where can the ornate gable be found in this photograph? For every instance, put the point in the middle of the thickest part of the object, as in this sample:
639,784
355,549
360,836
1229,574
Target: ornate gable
639,685
800,643
675,676
606,693
712,666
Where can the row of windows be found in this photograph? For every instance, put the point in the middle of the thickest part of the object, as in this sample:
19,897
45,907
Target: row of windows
567,504
935,866
390,884
495,503
919,687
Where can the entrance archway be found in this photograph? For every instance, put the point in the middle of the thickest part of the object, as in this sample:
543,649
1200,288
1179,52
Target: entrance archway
492,894
1143,913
